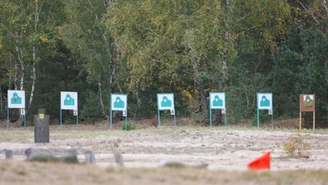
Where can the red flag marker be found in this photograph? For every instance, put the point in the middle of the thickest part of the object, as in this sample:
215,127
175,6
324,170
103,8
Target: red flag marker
260,163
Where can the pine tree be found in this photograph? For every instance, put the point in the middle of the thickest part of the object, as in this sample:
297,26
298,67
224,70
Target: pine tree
91,110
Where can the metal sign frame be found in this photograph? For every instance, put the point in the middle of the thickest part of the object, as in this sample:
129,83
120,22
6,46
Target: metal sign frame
165,101
69,101
217,100
118,102
264,102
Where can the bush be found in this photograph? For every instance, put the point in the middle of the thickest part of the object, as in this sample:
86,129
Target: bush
296,146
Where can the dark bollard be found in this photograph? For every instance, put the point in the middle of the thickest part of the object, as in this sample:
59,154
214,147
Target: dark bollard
90,157
28,152
41,127
9,154
118,158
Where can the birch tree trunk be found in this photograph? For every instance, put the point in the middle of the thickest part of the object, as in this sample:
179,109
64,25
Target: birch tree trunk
1,104
325,6
21,117
33,85
22,65
19,53
223,76
101,100
111,70
10,77
34,51
21,73
15,76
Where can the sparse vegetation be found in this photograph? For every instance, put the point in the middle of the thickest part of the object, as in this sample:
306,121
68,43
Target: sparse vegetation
296,146
128,126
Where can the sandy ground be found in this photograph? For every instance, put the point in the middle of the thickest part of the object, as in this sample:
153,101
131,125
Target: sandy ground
224,149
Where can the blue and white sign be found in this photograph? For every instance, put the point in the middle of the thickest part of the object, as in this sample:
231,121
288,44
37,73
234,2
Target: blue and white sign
264,101
16,99
119,102
68,100
165,101
217,100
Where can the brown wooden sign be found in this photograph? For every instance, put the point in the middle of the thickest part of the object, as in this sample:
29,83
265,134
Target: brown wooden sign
307,104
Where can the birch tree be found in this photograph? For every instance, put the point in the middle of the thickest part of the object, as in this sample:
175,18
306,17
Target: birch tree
28,38
84,34
158,39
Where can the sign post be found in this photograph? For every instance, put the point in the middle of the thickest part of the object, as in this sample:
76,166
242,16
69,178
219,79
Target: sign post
165,101
69,101
307,104
217,101
119,102
16,100
264,102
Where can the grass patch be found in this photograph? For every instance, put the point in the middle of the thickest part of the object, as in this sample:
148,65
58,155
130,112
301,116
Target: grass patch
14,136
128,126
22,134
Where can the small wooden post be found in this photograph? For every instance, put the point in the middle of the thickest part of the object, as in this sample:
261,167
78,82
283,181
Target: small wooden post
300,120
313,120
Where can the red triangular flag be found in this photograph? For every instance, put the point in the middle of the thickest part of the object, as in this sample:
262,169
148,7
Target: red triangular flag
260,163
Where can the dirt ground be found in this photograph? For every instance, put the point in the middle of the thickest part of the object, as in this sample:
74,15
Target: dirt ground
226,150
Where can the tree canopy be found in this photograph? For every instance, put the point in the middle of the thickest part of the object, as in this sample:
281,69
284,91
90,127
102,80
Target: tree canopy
144,47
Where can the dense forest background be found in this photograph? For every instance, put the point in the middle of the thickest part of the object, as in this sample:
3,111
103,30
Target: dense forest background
143,47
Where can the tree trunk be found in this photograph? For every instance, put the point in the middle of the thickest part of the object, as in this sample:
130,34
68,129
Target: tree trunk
19,52
109,3
1,104
16,74
101,100
22,76
111,74
201,88
33,83
34,51
223,77
136,94
325,6
106,44
22,65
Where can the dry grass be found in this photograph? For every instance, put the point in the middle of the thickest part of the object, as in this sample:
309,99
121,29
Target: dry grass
297,146
20,172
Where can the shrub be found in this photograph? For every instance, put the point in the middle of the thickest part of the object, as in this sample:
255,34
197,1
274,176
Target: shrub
296,146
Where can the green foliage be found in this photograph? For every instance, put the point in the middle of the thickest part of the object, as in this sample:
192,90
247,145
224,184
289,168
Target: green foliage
300,68
91,111
86,37
128,126
142,47
159,39
296,146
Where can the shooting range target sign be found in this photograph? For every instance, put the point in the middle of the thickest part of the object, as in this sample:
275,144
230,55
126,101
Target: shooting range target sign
16,99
